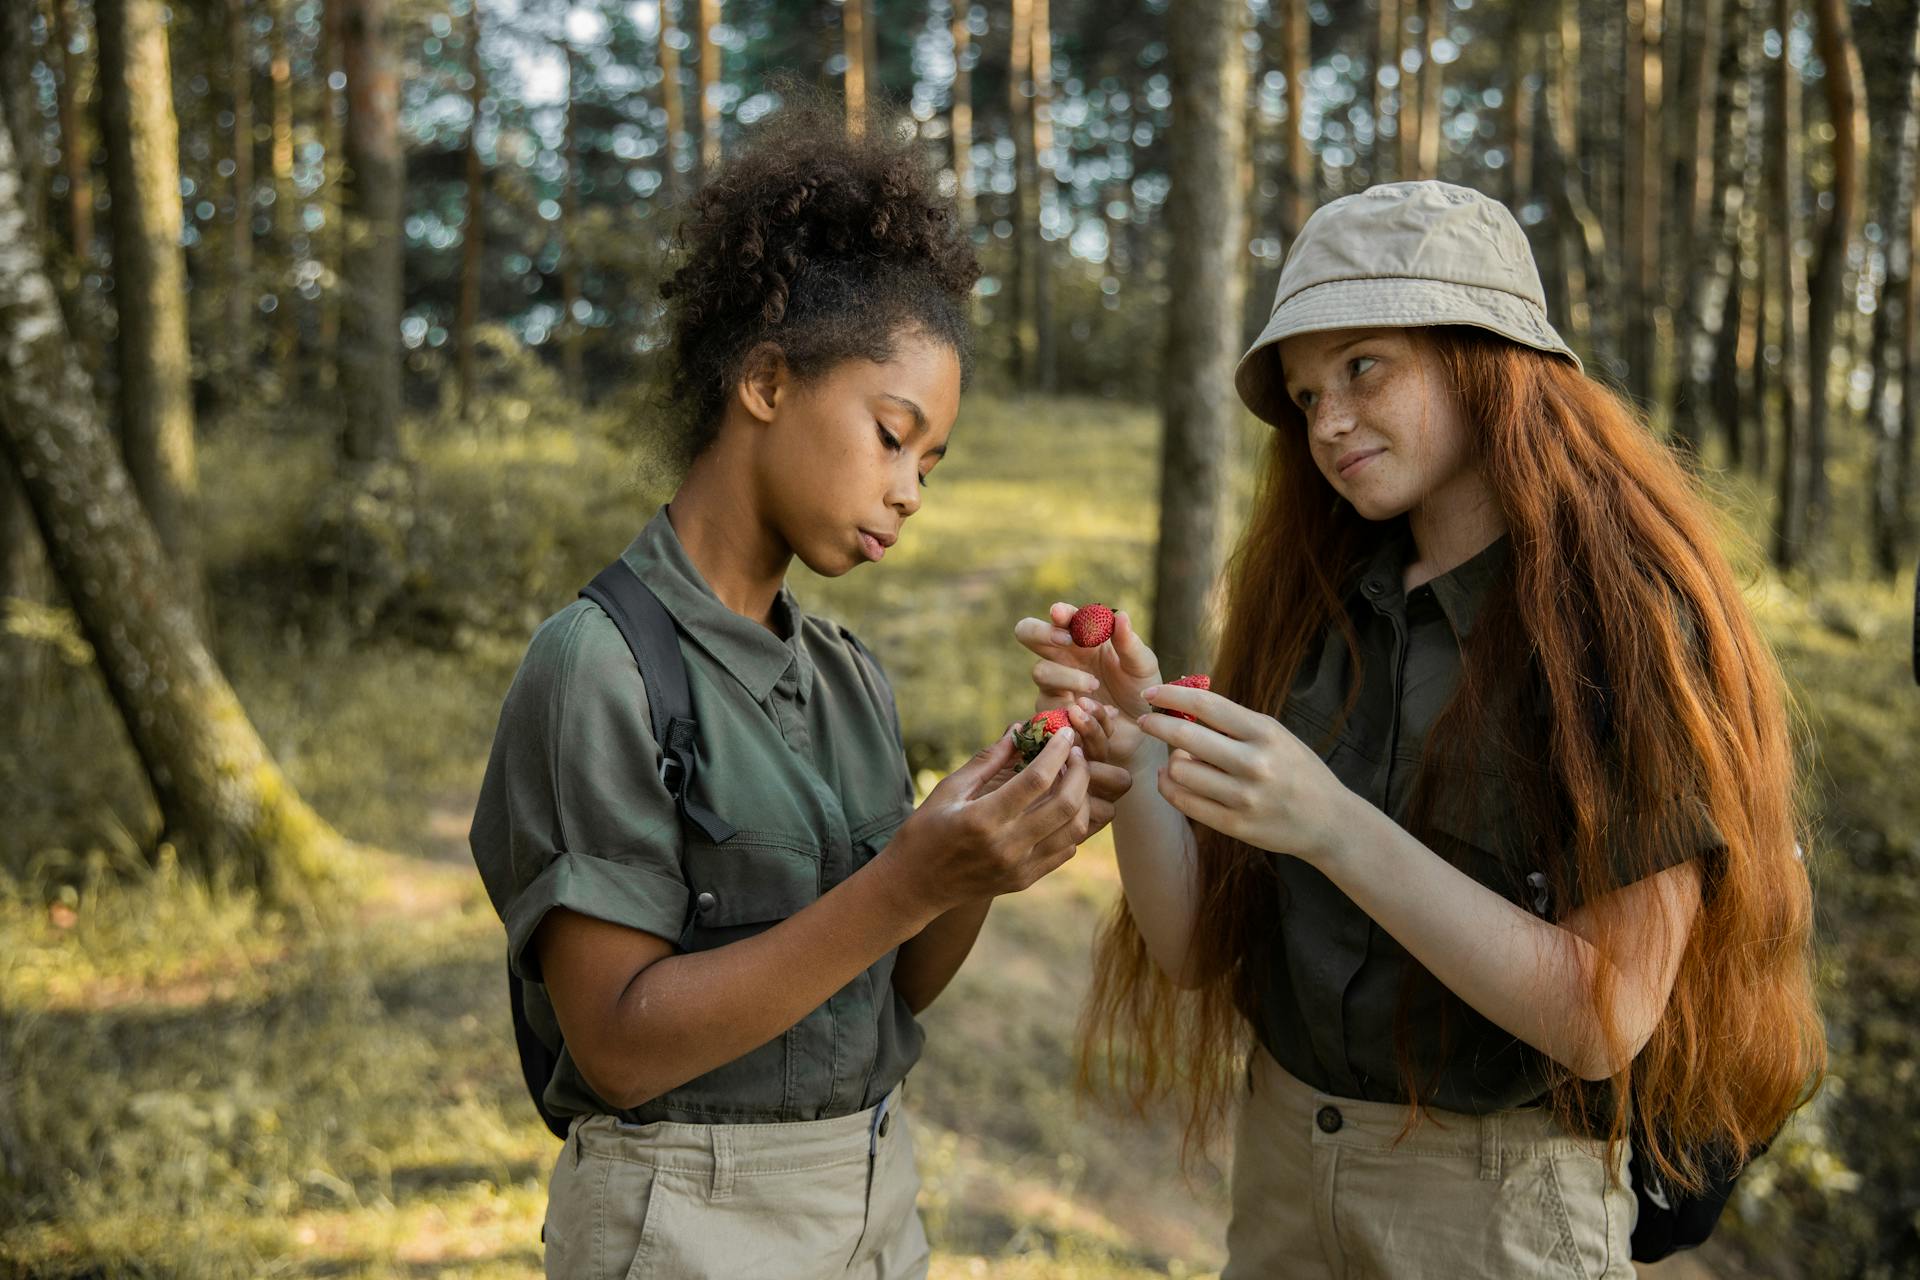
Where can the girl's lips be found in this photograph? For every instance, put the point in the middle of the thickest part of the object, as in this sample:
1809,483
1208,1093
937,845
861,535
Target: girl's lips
871,545
1354,461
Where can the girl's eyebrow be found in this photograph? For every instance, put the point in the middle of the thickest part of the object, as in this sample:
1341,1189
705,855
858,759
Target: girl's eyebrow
919,419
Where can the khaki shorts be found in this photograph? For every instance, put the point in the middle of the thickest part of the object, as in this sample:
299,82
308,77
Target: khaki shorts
816,1199
1320,1191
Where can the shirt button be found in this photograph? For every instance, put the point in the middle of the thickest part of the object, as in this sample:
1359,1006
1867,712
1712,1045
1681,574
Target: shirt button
1374,587
704,902
1328,1118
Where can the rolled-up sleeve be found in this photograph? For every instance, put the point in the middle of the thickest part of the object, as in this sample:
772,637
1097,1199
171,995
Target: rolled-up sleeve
572,812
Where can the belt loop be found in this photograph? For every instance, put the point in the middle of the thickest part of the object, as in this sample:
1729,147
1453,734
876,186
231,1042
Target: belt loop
722,1161
1490,1147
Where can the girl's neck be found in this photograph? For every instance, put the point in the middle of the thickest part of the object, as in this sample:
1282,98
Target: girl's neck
1452,527
720,526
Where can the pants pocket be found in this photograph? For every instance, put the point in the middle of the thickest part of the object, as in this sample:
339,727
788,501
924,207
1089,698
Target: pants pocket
599,1210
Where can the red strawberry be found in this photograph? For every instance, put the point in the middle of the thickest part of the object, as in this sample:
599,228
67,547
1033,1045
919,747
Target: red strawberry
1186,682
1034,734
1091,626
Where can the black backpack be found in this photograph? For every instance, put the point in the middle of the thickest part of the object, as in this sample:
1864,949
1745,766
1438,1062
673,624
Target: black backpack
1671,1220
654,640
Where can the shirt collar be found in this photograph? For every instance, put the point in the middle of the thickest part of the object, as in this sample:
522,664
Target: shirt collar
752,654
1461,591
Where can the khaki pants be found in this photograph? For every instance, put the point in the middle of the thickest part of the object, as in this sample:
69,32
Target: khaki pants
1320,1191
806,1201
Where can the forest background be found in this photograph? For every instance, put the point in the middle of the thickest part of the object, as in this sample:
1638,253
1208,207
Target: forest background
330,334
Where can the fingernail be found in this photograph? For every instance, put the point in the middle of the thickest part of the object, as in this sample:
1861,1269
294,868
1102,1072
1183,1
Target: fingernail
1078,754
1149,691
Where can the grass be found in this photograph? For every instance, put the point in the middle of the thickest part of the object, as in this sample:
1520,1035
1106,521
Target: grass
204,1089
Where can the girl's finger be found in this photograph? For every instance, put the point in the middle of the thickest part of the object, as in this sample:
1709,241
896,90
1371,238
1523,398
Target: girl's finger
1203,779
1221,714
1198,740
1193,805
1051,675
1093,734
1042,637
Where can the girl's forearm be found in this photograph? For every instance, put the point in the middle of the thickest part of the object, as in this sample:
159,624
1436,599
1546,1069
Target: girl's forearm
1153,844
927,961
1528,976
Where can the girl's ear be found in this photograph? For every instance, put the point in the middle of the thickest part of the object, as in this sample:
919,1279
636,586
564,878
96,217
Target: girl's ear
764,378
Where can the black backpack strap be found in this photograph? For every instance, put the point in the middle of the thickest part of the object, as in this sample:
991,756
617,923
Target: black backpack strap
653,639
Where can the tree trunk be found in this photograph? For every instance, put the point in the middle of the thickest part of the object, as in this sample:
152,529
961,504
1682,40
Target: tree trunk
473,233
1199,409
371,197
570,326
236,347
1702,178
1386,66
1432,23
73,144
1296,158
150,280
1783,137
1710,375
1846,105
21,570
1583,246
709,88
961,125
332,242
672,97
1517,109
1046,362
853,30
1020,326
1640,227
225,807
1886,412
286,225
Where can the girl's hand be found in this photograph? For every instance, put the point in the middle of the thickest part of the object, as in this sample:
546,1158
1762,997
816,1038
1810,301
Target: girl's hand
1096,723
1246,776
972,839
1113,673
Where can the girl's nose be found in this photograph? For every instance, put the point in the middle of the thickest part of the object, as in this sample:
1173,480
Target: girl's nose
1332,417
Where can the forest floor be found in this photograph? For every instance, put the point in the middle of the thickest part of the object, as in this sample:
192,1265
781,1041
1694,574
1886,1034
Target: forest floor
203,1088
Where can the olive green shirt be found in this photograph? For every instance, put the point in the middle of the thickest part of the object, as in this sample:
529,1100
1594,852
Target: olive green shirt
1329,987
799,749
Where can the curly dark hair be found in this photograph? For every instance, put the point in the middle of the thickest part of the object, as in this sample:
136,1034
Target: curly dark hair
828,246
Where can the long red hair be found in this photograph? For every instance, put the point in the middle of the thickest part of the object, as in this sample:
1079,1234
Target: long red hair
1663,702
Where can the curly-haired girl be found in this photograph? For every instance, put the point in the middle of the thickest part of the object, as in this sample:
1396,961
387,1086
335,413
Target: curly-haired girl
738,1009
1479,855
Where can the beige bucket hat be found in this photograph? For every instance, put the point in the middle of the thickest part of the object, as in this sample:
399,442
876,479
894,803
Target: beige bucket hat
1401,255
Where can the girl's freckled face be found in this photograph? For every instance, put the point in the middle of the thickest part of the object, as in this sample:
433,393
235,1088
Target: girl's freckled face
1381,426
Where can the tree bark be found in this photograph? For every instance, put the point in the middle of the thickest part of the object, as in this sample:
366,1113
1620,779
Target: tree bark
1702,178
1887,414
1296,159
1846,95
225,806
73,145
286,224
332,241
570,326
673,97
1432,23
1640,228
1517,109
236,347
150,281
1386,58
961,123
709,88
473,232
853,33
1046,362
371,197
1783,139
1583,246
1199,410
1020,325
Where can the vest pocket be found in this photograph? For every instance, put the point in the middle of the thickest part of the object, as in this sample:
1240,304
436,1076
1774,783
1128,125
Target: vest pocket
744,883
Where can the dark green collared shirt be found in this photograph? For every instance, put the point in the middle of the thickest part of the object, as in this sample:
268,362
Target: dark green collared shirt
1330,992
799,749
